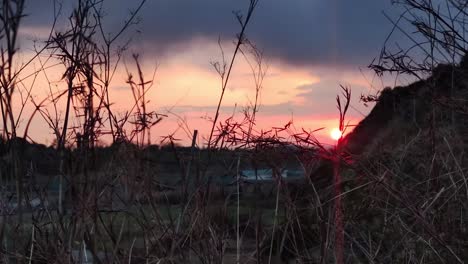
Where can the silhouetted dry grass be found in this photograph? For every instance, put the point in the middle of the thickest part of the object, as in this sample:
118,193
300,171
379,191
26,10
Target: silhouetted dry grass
392,191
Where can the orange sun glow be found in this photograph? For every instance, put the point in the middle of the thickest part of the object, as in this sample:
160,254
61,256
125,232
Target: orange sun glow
336,134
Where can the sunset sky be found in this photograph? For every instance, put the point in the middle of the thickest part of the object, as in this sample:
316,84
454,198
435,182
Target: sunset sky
310,48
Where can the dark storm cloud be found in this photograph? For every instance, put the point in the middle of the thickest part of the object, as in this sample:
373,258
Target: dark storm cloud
298,32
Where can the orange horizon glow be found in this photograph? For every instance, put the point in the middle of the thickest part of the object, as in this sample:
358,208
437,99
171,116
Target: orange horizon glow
181,82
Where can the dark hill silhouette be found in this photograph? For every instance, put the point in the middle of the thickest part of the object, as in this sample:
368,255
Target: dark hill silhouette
409,149
403,111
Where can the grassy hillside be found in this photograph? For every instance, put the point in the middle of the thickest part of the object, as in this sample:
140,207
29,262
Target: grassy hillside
411,150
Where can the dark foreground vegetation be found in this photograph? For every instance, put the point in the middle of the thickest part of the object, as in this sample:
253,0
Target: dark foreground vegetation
394,190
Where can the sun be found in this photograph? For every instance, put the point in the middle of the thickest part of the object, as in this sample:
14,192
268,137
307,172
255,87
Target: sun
336,134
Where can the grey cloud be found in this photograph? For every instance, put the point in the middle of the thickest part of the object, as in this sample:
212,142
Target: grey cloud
296,32
299,32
